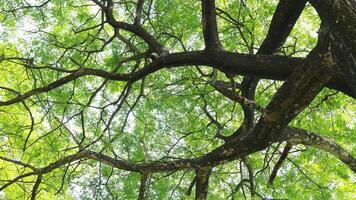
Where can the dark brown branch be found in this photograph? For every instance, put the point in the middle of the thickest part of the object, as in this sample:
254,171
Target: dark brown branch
227,153
300,136
302,85
190,188
284,19
28,6
139,9
35,187
62,81
294,95
31,126
48,168
220,155
210,28
250,175
338,21
236,97
133,28
278,165
63,161
202,183
214,121
143,186
297,92
17,179
18,162
269,67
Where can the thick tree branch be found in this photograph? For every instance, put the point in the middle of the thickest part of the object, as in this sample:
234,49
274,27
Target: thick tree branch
331,64
269,67
338,22
297,92
300,136
283,20
139,9
202,164
202,183
143,187
210,28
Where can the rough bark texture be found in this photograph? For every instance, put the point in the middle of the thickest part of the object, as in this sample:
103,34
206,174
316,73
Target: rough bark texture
338,22
202,183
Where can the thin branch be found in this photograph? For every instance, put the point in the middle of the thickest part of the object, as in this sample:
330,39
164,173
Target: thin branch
190,188
133,28
18,163
250,175
238,98
278,165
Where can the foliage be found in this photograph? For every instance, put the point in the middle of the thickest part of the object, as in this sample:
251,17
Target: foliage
171,114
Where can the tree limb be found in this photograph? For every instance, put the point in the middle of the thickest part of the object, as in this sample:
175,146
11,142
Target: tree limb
283,20
202,183
143,186
300,136
269,67
278,165
210,28
35,187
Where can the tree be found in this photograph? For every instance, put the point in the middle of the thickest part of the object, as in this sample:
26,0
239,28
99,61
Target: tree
116,99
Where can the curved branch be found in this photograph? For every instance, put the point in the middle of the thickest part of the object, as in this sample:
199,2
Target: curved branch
17,162
133,28
225,153
66,79
16,179
49,168
268,67
300,136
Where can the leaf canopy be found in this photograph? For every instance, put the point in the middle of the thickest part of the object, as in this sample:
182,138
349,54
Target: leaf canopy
116,99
